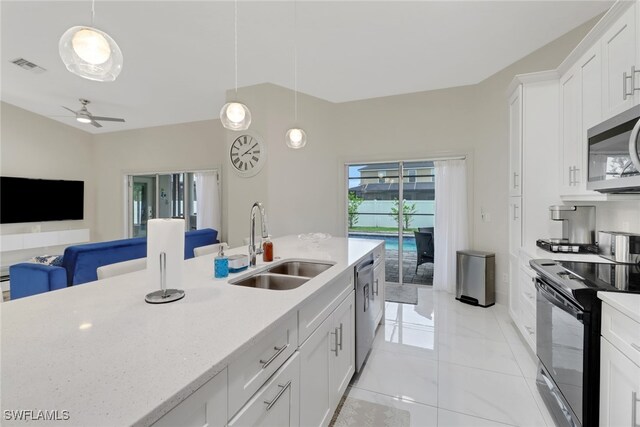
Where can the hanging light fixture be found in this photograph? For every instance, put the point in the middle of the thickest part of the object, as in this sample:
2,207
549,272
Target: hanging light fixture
295,137
235,115
90,52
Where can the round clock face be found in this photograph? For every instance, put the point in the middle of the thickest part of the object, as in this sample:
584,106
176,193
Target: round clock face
247,155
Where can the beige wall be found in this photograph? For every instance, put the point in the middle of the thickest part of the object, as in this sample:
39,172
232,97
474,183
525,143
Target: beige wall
187,146
34,146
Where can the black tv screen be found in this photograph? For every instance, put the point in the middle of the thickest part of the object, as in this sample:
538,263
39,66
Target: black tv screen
37,200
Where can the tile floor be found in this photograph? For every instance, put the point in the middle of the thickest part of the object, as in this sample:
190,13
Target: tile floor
451,364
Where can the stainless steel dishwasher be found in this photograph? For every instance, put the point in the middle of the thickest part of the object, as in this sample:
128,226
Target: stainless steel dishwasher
365,320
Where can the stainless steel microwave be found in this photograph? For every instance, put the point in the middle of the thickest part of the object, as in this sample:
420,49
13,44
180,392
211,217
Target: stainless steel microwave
614,154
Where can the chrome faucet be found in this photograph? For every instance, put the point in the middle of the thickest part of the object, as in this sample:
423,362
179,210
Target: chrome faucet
253,251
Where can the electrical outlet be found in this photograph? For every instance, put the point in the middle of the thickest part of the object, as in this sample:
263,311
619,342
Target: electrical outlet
505,277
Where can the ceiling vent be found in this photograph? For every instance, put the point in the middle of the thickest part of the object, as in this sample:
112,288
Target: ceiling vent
28,65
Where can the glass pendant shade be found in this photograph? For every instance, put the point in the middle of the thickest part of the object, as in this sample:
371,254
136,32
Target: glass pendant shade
235,116
90,53
296,138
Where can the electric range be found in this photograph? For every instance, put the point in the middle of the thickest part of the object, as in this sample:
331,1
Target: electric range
568,314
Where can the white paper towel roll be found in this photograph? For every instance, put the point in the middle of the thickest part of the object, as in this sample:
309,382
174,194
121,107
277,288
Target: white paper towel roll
165,235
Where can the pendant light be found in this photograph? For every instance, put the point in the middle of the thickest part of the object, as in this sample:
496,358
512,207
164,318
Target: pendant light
235,115
90,53
295,137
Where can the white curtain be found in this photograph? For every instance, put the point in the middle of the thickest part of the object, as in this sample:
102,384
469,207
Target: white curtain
451,221
207,200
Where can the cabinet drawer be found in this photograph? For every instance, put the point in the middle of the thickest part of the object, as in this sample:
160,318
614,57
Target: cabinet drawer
253,367
314,312
207,406
528,327
277,403
527,291
622,331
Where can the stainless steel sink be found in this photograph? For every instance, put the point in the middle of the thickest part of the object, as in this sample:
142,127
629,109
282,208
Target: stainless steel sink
276,282
300,268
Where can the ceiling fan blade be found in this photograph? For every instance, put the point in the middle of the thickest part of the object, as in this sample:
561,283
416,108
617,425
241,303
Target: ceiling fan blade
107,119
68,109
96,124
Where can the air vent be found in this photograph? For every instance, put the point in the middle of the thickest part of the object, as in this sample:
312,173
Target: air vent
28,65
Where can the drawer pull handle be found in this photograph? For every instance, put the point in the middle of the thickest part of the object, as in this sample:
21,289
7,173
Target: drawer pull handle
340,341
335,341
634,409
635,346
283,388
278,352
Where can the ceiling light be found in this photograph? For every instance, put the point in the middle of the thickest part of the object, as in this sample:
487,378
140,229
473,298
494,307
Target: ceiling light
235,115
295,137
90,53
83,119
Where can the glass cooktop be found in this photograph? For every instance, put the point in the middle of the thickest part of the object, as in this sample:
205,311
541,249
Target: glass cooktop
606,277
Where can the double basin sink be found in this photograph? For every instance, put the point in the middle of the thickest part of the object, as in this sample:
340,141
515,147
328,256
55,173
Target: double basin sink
283,276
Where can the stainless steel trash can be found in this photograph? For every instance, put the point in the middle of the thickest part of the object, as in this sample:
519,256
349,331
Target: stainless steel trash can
475,278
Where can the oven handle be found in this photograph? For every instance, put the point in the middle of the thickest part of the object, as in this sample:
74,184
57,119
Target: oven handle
633,145
561,304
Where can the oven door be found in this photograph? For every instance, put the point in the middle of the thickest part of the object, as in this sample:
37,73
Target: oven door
560,346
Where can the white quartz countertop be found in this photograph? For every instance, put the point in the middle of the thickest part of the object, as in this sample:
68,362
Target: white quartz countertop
537,253
626,303
101,353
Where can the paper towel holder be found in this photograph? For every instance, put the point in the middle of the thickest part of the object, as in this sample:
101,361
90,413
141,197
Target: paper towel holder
164,295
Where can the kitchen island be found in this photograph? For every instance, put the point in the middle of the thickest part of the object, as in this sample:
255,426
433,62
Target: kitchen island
101,355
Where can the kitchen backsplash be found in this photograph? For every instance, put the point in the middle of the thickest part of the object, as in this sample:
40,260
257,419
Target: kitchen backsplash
616,216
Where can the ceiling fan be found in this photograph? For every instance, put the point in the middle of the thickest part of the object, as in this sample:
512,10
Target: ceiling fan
84,116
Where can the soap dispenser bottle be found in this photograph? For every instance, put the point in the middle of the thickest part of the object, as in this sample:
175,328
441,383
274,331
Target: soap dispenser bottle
221,265
267,250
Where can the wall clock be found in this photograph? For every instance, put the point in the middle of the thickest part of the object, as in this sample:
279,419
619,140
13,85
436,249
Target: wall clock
247,154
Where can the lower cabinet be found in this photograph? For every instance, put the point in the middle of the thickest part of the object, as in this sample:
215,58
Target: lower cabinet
277,402
206,407
330,349
378,291
619,388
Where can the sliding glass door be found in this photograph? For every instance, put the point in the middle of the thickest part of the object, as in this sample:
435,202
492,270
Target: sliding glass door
166,195
379,207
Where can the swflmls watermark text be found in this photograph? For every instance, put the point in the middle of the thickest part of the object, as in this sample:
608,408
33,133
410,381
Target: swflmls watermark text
35,415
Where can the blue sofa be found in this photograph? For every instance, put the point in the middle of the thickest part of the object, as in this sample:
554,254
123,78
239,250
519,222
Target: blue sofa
80,263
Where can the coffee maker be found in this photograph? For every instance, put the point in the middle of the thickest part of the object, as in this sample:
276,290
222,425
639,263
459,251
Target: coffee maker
578,230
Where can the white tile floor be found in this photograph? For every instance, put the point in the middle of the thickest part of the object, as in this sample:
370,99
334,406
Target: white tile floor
451,364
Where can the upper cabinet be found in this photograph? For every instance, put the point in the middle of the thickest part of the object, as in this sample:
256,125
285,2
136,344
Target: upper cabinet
619,49
595,86
515,142
580,109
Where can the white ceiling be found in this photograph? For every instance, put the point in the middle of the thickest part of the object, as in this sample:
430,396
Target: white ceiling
178,55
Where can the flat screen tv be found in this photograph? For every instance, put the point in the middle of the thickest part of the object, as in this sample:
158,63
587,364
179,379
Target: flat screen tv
37,200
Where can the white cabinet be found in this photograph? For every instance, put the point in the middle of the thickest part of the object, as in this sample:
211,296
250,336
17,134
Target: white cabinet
619,369
377,305
330,349
619,388
515,142
277,402
580,109
206,407
515,225
249,371
619,48
570,132
343,323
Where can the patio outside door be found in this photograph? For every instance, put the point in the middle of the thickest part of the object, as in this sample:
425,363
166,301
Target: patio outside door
378,207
